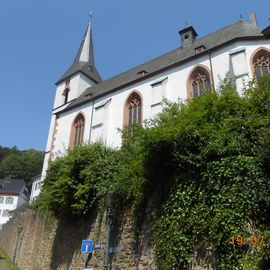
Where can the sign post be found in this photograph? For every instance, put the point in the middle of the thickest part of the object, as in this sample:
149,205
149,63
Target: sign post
87,247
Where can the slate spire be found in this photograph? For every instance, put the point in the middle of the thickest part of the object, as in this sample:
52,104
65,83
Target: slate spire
84,60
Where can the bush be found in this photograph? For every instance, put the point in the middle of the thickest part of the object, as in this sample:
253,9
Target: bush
76,182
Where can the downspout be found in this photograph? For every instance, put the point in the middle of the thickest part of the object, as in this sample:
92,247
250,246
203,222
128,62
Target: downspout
91,122
211,70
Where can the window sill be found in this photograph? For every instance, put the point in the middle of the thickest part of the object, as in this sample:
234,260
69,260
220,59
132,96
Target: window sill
97,125
156,104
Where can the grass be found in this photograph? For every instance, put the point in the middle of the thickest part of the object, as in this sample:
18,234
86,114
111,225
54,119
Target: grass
8,261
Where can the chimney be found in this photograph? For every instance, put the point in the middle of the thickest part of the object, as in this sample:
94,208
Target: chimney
252,18
188,35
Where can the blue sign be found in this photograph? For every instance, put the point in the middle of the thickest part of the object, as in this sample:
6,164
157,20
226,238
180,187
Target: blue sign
87,246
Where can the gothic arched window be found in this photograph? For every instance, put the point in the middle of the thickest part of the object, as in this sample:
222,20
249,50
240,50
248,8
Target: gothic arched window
261,63
77,130
198,82
133,110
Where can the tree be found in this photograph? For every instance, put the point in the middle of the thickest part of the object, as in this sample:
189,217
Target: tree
24,165
5,151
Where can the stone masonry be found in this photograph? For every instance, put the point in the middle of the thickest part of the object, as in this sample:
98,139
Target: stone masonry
49,244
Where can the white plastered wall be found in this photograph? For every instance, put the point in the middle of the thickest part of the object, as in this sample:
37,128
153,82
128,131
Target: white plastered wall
9,207
84,83
176,83
77,84
175,88
63,130
223,56
48,147
36,188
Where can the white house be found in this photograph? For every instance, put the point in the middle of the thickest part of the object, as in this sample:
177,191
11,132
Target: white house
13,195
36,188
87,109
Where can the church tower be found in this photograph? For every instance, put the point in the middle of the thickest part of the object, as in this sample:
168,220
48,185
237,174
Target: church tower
80,75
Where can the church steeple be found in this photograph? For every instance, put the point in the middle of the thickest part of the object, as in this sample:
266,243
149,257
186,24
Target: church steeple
84,60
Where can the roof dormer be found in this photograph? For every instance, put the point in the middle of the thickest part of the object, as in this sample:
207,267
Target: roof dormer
188,35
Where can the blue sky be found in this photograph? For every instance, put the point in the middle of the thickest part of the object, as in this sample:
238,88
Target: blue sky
39,39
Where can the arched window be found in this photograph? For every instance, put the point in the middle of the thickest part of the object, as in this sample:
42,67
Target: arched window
65,94
66,91
77,130
198,82
133,110
261,63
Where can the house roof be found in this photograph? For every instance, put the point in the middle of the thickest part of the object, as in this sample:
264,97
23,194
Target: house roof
84,60
11,186
236,31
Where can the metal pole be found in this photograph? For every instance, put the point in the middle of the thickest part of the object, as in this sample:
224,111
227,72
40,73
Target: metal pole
85,260
15,250
107,247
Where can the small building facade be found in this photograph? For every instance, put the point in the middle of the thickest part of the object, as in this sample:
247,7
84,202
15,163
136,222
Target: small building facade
13,195
36,188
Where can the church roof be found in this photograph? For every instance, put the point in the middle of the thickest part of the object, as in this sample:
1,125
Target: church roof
84,60
11,186
238,31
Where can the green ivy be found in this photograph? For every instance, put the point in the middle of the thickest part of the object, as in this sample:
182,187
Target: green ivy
79,180
218,145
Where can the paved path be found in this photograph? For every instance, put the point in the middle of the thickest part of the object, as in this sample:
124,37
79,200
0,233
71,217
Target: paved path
3,264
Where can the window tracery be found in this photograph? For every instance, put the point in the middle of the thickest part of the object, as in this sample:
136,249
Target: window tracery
77,130
261,63
198,82
133,110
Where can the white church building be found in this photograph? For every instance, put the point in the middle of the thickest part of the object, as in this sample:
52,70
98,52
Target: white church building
87,109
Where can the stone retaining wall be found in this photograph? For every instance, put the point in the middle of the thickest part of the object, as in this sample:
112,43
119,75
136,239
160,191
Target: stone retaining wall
46,243
50,244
